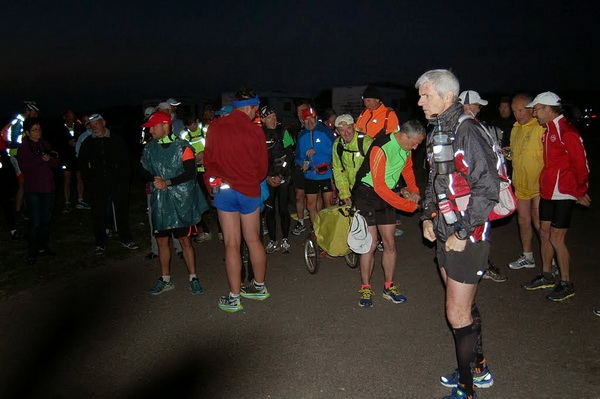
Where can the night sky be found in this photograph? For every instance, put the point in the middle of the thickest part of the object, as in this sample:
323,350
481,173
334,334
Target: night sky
88,55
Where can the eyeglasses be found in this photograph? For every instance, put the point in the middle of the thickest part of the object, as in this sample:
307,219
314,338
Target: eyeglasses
538,109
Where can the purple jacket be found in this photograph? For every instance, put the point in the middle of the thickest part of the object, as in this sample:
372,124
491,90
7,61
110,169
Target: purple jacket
39,174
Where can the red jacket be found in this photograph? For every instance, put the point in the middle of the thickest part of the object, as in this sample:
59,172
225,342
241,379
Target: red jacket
565,172
237,153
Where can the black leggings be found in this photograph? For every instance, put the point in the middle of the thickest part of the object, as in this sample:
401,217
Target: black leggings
278,196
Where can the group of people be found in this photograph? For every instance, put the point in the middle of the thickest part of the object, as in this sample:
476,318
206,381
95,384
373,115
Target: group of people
31,162
239,167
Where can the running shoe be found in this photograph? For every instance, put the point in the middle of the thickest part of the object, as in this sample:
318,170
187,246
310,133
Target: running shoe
393,294
15,235
366,295
196,287
493,273
539,282
151,256
522,263
161,287
100,249
596,312
67,208
458,393
252,291
272,246
285,246
563,290
203,237
299,228
482,378
380,246
230,304
81,204
130,245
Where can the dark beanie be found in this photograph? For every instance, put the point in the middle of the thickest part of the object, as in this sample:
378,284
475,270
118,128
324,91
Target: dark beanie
371,92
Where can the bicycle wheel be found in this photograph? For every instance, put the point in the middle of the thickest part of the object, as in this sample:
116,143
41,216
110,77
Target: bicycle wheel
351,260
311,254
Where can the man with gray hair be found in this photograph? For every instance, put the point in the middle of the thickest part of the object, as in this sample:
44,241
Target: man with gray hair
461,163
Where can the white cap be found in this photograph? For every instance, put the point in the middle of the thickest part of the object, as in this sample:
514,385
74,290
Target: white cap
471,97
359,237
545,98
149,111
344,120
173,102
163,105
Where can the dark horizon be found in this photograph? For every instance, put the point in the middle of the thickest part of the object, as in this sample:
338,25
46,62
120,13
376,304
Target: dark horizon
89,56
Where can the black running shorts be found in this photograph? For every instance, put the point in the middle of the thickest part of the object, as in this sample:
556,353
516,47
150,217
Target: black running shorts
467,266
557,212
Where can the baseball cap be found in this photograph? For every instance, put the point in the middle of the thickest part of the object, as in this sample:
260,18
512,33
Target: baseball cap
359,237
308,112
344,120
149,111
95,117
371,92
224,110
173,102
163,105
158,118
471,97
545,98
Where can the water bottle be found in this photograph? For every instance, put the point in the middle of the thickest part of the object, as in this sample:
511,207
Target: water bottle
446,209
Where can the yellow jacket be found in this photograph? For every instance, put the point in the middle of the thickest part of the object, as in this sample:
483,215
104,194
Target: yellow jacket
527,158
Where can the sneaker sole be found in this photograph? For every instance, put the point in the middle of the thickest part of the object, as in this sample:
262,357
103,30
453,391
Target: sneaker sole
258,297
231,309
560,299
365,305
541,287
480,384
167,288
495,280
521,267
389,298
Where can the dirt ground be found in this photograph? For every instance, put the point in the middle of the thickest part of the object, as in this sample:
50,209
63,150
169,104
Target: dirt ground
98,334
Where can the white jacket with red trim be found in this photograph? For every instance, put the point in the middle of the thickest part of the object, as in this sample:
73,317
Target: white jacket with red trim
566,170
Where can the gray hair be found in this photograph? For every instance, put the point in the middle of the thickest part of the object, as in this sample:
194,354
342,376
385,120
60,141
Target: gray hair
524,96
413,128
443,81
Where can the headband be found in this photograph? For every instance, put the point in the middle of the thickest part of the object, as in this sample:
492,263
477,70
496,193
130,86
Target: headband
243,103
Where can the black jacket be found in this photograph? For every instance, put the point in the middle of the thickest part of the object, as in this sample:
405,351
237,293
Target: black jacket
105,161
480,173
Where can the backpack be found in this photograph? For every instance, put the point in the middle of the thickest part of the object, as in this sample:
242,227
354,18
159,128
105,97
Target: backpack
340,149
507,201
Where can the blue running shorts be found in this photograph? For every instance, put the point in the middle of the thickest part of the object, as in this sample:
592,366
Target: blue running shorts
229,200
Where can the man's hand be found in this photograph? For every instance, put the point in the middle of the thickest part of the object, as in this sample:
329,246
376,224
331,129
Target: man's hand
273,181
346,201
428,231
310,152
160,183
455,244
584,201
199,158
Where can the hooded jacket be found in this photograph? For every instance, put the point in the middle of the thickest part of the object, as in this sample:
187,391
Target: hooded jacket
565,173
475,165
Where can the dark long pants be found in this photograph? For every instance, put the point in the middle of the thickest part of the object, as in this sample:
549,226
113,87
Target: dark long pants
119,194
40,206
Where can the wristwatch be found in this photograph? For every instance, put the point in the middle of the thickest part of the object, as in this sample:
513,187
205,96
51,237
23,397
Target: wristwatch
461,234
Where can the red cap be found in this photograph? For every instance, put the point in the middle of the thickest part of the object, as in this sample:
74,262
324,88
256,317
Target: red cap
158,118
308,112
